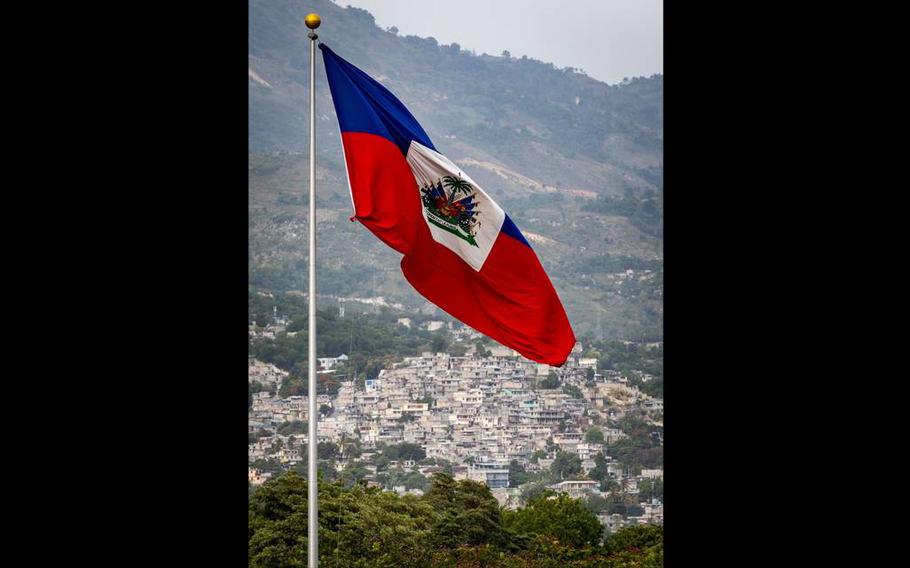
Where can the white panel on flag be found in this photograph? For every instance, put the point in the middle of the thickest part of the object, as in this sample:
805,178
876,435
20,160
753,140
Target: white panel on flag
460,215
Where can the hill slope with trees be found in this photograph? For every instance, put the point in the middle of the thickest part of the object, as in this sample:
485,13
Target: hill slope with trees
577,163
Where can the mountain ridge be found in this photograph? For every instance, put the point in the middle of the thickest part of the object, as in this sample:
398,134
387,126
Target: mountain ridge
575,162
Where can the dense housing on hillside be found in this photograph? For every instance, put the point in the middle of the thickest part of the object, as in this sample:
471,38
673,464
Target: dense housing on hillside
482,415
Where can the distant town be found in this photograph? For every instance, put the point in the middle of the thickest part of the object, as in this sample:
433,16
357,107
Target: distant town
488,415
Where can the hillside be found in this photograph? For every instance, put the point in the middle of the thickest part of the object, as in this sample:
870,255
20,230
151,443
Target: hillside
575,162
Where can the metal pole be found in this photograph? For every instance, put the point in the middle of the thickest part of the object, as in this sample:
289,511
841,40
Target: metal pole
312,22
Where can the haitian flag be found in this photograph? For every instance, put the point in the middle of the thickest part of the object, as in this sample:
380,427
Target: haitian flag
461,251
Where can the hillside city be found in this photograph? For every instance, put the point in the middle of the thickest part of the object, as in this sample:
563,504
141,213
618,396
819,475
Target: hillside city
488,415
437,446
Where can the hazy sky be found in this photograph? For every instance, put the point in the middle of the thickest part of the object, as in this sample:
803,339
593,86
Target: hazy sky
609,39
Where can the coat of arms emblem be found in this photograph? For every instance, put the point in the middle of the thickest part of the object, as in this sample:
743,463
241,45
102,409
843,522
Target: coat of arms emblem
448,211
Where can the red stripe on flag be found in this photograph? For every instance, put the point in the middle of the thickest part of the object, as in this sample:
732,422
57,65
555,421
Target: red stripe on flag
511,299
386,197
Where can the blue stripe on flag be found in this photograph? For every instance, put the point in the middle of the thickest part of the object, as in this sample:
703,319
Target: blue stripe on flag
364,105
509,228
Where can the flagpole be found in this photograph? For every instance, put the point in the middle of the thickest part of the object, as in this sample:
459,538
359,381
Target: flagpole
312,22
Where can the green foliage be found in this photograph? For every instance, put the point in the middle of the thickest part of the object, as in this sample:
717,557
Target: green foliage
551,382
404,451
372,528
293,427
261,433
645,214
268,465
381,462
371,341
297,382
326,450
255,386
556,516
276,446
594,436
628,357
455,524
648,488
517,474
653,387
621,503
599,471
572,391
353,472
358,527
596,503
468,513
566,465
397,476
640,449
293,386
440,344
641,537
428,400
532,490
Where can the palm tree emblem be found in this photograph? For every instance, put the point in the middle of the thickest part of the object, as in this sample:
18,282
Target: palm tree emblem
449,212
457,185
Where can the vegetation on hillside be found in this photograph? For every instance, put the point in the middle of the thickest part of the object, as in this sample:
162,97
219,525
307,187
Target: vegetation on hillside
575,162
371,341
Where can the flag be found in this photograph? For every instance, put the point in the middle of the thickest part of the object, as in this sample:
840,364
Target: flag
461,250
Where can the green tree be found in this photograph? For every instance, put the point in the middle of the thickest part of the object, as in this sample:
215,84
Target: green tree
255,386
326,450
440,343
469,514
277,528
566,465
641,537
405,451
556,516
551,382
649,488
358,527
353,472
456,524
596,503
381,462
532,490
573,391
293,427
517,474
599,471
594,436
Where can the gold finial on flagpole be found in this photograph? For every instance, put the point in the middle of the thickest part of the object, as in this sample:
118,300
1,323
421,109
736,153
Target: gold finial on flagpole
312,21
